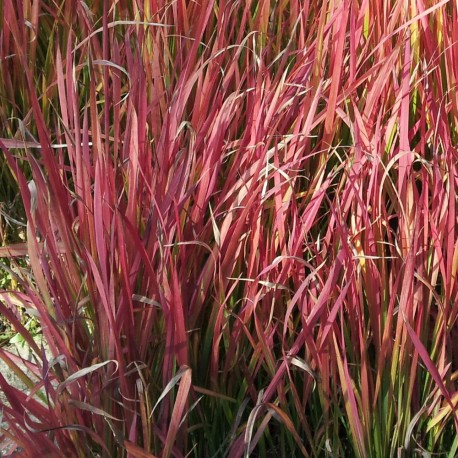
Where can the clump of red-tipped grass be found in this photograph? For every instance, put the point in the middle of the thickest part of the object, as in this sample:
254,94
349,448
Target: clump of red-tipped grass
244,237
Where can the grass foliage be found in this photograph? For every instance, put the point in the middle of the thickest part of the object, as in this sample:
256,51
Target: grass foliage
245,233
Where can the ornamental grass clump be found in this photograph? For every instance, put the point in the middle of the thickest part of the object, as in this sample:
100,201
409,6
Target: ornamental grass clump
244,238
